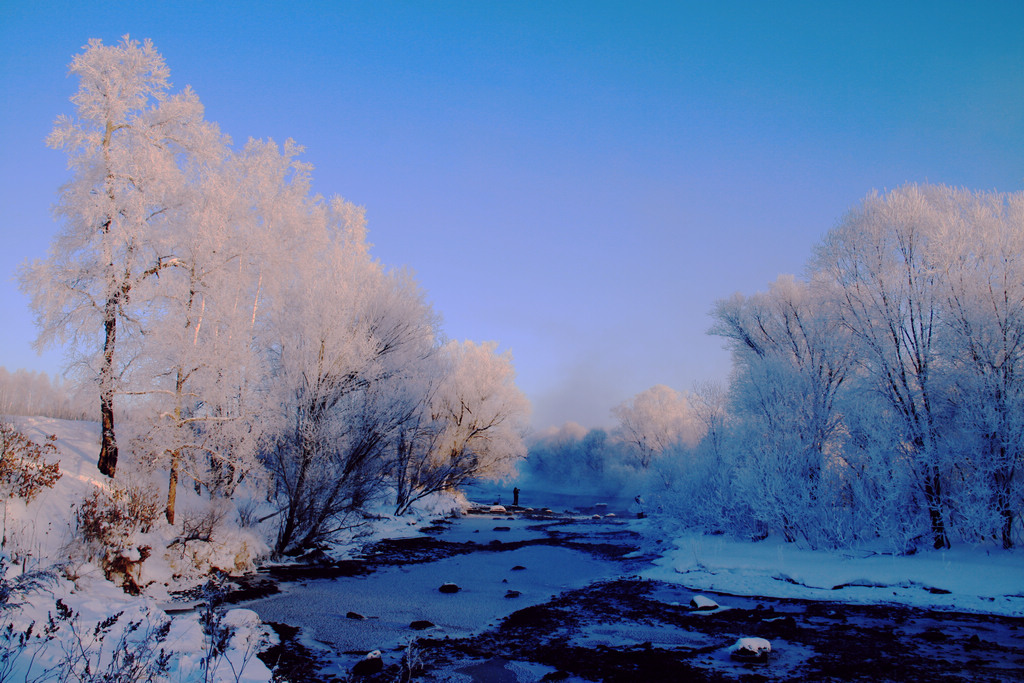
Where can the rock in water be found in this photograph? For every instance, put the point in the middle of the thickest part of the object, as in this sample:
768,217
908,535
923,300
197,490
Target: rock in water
421,625
369,665
751,650
355,615
449,588
512,594
703,603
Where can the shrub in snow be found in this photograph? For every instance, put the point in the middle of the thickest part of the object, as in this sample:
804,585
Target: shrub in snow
15,637
24,466
62,646
107,524
48,638
15,588
228,549
110,517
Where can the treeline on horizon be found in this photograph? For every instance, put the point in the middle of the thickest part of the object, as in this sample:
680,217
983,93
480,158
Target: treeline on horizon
25,392
878,398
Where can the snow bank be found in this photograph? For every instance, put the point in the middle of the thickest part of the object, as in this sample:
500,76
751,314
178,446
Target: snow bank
965,578
90,624
88,614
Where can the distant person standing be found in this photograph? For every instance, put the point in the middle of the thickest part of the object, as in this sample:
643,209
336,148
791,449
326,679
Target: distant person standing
515,496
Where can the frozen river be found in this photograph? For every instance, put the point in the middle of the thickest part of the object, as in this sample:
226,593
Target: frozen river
501,563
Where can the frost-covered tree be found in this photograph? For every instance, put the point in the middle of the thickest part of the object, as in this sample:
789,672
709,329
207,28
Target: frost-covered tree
980,248
569,453
882,397
417,432
795,327
202,368
653,421
478,416
880,259
340,328
23,392
243,316
791,360
709,404
127,150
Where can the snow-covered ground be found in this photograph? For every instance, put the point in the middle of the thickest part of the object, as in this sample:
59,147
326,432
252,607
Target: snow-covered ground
91,614
971,579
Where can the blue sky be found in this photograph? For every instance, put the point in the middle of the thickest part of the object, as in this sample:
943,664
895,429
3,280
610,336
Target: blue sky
579,181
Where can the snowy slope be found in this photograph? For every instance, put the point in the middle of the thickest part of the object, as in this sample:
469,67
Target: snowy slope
43,528
37,535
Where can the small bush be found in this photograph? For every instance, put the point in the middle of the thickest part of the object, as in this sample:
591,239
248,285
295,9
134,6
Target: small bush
198,524
107,522
110,518
24,469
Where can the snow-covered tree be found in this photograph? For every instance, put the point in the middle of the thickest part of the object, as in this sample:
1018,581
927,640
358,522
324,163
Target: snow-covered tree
880,259
653,421
479,418
880,398
244,318
709,404
23,392
417,431
127,149
981,252
791,361
202,369
340,327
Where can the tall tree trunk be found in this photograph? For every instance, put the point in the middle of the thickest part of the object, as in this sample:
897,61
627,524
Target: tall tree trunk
933,498
107,463
172,485
1007,532
172,477
295,501
1004,496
